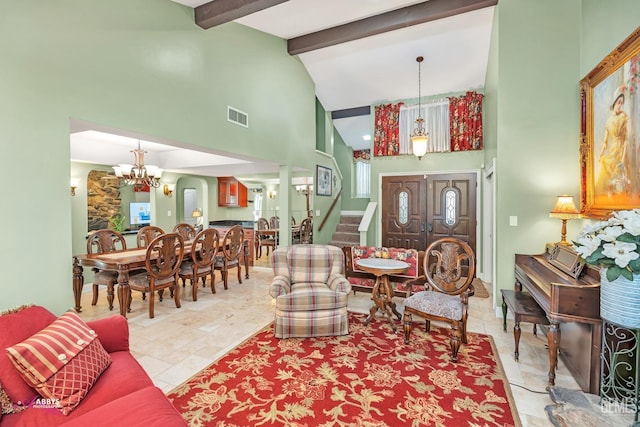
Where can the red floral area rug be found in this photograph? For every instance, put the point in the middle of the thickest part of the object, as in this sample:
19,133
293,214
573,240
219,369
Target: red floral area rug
367,378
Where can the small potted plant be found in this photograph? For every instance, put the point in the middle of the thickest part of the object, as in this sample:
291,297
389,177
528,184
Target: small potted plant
117,222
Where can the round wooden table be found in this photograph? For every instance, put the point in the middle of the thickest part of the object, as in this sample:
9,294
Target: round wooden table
382,290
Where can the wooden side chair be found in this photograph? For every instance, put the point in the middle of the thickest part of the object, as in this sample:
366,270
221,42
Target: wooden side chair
186,231
306,230
266,240
162,264
203,252
274,222
449,266
232,245
147,233
102,242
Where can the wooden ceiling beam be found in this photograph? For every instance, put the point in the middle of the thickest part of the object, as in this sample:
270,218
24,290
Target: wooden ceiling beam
218,12
400,18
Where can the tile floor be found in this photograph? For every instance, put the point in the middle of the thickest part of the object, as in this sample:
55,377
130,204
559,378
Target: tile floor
178,343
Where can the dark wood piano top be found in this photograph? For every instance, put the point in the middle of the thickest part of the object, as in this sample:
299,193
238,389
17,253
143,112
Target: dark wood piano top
561,296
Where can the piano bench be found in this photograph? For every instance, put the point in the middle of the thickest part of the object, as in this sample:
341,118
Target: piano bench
524,309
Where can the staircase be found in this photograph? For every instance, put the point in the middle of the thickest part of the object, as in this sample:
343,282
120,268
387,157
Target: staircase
347,233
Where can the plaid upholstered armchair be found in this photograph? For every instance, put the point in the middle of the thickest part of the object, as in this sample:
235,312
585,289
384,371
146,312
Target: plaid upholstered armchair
310,291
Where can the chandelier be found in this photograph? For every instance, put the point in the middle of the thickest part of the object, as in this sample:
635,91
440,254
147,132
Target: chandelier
419,137
139,174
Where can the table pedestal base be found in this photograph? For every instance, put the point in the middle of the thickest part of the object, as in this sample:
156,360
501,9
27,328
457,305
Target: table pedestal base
381,297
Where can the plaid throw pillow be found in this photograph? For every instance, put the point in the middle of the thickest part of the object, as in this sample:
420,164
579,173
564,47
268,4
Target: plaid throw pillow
62,361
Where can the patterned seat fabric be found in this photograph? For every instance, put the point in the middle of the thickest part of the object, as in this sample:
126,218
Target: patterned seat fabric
310,291
364,281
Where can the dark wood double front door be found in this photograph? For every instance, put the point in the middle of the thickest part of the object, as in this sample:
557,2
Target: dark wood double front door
419,209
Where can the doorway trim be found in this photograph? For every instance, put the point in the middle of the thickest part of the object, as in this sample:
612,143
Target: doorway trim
479,214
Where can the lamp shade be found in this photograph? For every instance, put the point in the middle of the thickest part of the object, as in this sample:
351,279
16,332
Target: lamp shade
565,208
419,145
197,213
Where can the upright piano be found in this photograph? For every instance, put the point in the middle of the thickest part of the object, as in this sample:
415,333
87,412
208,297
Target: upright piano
569,293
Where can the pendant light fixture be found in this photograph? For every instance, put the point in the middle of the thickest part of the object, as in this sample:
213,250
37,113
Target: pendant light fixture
419,137
139,174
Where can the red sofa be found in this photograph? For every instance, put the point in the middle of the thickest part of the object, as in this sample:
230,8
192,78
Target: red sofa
123,395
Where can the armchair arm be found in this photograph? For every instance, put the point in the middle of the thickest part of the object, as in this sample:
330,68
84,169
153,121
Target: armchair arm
338,283
280,285
415,285
113,333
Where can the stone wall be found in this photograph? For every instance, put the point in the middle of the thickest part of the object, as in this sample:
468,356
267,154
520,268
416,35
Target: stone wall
103,198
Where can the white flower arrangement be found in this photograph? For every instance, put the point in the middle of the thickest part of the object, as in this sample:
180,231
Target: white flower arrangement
613,244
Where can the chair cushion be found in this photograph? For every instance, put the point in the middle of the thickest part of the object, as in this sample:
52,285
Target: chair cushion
309,263
105,277
436,304
62,361
311,297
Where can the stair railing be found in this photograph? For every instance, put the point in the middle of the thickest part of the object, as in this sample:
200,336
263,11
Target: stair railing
333,205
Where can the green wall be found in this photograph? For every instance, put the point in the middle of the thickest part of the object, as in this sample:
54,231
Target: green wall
543,49
144,67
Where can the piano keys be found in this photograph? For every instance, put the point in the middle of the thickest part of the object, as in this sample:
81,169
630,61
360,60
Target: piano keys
570,297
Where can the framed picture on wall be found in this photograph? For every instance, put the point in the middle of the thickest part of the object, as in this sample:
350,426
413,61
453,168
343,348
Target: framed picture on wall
610,132
323,180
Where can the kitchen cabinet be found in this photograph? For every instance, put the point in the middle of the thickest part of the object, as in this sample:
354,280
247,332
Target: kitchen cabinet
232,193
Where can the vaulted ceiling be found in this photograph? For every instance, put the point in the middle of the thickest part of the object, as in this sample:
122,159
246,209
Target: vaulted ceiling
361,53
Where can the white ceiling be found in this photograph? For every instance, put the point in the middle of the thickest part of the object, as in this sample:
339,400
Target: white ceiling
368,71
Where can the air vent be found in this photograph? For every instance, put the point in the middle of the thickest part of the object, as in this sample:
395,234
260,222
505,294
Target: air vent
237,117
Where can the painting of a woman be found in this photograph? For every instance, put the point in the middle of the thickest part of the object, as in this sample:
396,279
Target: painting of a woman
614,177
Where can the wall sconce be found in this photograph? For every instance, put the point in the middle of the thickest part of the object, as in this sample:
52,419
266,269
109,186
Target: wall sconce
273,194
74,185
564,209
168,189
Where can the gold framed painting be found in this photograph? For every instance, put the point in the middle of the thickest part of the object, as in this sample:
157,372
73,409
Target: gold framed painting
610,132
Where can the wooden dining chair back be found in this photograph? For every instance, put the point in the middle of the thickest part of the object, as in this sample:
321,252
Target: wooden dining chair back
147,233
186,231
293,221
274,222
232,244
203,252
162,264
306,230
263,239
103,242
449,266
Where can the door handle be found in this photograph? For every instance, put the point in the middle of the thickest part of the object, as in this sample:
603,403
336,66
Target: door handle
430,227
422,226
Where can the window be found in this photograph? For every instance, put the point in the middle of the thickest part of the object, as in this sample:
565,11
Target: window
450,207
403,207
363,177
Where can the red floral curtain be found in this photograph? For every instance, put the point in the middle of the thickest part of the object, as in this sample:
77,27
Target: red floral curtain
465,121
362,155
386,138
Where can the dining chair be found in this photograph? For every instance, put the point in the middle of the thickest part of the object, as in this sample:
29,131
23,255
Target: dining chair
274,222
203,253
102,242
266,240
147,233
186,231
306,230
162,264
449,266
232,244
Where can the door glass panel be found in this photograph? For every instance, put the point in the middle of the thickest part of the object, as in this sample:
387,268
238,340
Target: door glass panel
450,207
403,207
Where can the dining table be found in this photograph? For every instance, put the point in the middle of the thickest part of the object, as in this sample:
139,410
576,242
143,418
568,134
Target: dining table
123,263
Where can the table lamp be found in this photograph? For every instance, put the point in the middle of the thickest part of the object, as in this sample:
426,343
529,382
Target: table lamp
564,209
197,214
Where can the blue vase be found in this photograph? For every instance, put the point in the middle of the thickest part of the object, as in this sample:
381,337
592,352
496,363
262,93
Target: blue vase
620,300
